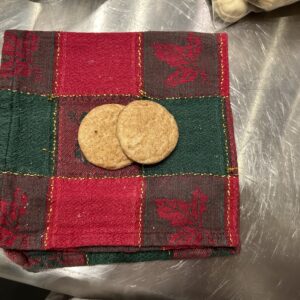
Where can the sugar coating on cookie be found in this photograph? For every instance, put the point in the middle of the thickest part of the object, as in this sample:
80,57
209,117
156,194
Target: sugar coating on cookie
147,132
97,137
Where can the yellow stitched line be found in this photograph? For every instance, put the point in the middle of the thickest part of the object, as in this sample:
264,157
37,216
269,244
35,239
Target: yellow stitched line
57,64
183,98
22,174
49,200
232,168
227,167
222,65
54,137
140,214
52,178
111,177
141,92
143,95
26,93
226,137
55,105
87,259
228,208
54,96
96,95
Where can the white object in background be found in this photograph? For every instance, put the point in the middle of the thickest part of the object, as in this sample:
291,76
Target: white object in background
230,10
271,4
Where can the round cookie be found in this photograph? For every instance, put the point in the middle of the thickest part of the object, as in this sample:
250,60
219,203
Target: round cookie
147,132
230,10
97,137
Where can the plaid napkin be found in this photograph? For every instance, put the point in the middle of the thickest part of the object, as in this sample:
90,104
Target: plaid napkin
59,210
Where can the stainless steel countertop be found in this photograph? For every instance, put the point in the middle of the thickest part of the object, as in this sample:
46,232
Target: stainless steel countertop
264,55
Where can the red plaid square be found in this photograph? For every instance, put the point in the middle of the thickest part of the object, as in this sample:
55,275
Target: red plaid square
100,212
92,64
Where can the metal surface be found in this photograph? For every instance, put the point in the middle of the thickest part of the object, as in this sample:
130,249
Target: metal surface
265,93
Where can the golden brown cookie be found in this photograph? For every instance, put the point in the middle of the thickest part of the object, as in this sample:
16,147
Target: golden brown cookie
147,132
97,137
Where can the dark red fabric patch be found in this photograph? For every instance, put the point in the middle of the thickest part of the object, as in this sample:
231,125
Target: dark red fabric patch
183,211
22,211
27,61
180,64
97,64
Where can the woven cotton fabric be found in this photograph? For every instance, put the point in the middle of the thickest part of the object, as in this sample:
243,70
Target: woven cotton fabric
56,208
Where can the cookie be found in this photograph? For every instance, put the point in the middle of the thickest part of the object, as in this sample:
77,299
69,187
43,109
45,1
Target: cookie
230,10
147,132
97,138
